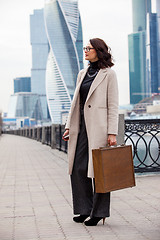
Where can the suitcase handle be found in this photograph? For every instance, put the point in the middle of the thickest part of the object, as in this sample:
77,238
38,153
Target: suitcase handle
121,145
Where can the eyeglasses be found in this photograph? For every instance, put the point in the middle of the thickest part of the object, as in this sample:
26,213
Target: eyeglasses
87,49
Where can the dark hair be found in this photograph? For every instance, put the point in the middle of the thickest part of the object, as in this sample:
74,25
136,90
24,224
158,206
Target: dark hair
103,53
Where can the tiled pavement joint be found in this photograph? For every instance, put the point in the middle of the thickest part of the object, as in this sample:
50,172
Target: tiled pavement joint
36,202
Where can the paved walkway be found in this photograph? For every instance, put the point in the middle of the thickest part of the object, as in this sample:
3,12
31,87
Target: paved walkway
35,199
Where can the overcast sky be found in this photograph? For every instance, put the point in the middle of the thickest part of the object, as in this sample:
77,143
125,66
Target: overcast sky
110,20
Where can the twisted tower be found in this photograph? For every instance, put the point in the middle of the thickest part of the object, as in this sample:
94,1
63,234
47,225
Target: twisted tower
65,59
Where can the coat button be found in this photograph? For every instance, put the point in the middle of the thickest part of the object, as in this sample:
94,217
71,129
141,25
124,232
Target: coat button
89,106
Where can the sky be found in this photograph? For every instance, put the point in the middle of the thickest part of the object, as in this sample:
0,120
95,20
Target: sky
110,20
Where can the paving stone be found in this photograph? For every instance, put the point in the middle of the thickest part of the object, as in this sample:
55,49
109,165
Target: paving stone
36,200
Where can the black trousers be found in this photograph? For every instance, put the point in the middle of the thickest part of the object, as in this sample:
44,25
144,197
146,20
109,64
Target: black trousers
85,200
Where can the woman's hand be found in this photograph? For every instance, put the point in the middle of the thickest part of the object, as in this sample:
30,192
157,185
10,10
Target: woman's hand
65,134
112,140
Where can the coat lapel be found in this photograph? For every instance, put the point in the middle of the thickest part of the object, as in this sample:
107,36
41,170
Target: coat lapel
82,77
98,79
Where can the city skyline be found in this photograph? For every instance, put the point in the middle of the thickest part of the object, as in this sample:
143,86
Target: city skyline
143,51
15,40
137,50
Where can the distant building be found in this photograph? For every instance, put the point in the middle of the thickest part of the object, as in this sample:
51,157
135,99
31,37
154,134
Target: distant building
152,84
22,84
144,51
158,26
40,49
137,50
139,10
155,109
65,59
18,122
25,105
137,66
142,106
9,123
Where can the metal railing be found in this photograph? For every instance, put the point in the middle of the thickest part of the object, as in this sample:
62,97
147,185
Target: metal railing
143,135
48,135
60,143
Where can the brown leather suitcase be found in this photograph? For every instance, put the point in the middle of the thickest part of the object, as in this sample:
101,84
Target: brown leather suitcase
113,168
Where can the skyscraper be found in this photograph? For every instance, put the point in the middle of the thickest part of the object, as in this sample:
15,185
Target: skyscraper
40,49
65,59
158,24
25,104
137,66
152,55
137,50
144,51
22,84
139,11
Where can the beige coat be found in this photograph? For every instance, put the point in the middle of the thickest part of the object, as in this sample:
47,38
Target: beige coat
100,114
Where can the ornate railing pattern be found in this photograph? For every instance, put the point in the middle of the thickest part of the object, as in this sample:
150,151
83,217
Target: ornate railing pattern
144,135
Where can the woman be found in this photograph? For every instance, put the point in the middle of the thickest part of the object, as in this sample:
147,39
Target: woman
92,123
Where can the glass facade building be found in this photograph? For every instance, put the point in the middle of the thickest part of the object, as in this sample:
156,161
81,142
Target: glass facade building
158,23
65,59
152,54
137,66
40,50
137,50
22,84
25,105
139,10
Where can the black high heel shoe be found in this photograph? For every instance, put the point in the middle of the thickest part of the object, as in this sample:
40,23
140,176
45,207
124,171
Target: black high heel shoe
80,219
93,221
